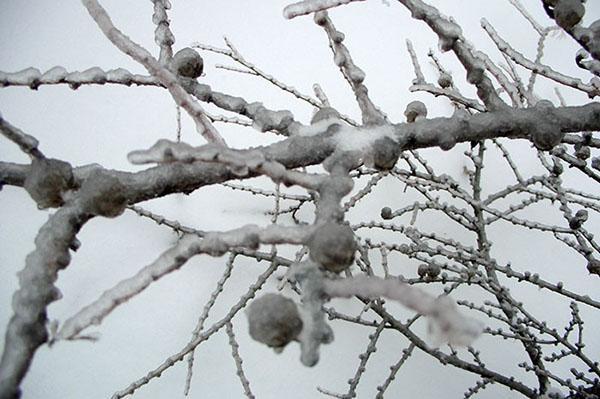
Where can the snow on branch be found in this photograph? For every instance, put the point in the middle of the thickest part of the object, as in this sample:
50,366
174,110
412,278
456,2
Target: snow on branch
26,330
352,73
162,34
447,325
451,38
213,244
27,143
241,163
166,77
33,78
310,6
592,89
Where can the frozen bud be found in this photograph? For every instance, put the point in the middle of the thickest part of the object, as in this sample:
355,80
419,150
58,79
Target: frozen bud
475,74
593,266
338,37
596,163
557,168
274,320
47,180
187,63
333,246
434,270
386,213
594,43
582,152
445,80
579,219
103,195
385,153
582,214
545,134
423,270
595,27
568,13
414,111
320,18
323,114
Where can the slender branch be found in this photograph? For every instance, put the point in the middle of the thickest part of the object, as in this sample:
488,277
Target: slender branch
168,79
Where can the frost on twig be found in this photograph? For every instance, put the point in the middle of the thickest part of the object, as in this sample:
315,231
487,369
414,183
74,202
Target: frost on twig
27,143
26,330
241,163
310,6
214,244
378,151
163,36
541,69
170,81
33,78
352,73
450,35
447,324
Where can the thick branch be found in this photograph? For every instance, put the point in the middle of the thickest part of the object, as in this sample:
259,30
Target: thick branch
26,330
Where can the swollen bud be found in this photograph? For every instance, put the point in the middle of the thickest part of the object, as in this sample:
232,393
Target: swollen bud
386,213
445,80
415,110
568,13
187,63
333,246
385,153
324,113
274,320
545,133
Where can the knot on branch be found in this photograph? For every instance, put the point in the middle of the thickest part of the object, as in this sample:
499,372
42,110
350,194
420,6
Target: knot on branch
102,195
385,153
545,131
47,181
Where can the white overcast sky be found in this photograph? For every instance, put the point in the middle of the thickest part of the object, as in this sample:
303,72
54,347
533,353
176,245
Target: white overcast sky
102,124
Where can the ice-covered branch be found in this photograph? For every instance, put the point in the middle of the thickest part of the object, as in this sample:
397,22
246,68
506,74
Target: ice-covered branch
448,325
241,163
27,143
544,70
568,14
179,356
214,244
451,38
162,34
33,78
26,330
264,119
310,6
353,74
167,78
301,151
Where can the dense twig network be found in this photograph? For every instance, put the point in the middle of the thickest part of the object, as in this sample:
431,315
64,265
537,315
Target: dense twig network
335,257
